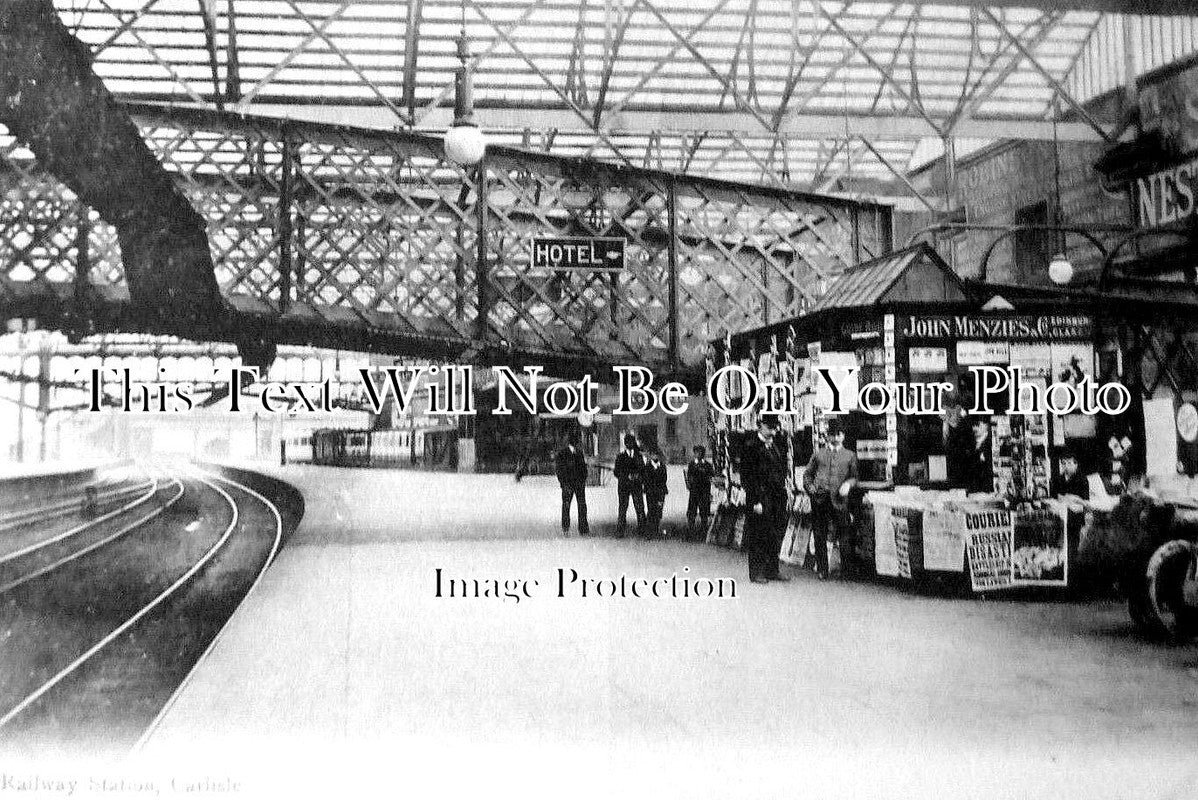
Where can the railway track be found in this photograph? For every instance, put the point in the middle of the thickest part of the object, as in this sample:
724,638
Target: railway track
38,516
101,627
114,486
44,554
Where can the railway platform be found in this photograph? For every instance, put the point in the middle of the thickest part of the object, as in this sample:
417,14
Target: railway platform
344,672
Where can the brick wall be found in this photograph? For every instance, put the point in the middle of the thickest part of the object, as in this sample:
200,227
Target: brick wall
995,184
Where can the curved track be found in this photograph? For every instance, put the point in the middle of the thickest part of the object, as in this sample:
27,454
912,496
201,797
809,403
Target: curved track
16,524
102,625
274,550
48,552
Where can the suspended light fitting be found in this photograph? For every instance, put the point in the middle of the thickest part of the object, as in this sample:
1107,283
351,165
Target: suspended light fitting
1060,269
465,144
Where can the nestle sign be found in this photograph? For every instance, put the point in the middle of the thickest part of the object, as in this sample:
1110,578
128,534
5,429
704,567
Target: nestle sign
602,253
1167,196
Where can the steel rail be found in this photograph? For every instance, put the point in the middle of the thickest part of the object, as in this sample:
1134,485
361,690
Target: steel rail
63,508
91,547
121,629
152,728
33,548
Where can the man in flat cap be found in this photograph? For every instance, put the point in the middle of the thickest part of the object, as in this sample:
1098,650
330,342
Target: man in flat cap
828,479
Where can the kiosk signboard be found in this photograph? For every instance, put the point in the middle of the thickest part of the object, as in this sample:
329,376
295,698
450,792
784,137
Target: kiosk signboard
1018,327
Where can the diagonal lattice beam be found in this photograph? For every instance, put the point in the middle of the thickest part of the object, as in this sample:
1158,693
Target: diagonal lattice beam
973,97
738,98
550,82
1048,76
479,58
859,46
801,103
130,20
321,32
667,58
293,54
158,59
901,175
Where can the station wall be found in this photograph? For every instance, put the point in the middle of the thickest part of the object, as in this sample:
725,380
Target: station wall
1015,183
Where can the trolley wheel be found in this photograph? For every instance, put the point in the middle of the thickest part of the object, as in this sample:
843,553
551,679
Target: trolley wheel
1170,583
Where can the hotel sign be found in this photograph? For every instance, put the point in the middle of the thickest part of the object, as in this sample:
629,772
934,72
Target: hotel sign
594,253
1017,328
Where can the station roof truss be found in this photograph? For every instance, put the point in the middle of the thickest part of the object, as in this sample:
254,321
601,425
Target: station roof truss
804,94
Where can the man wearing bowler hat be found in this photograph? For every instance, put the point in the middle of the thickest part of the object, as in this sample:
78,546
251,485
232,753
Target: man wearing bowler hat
629,473
767,500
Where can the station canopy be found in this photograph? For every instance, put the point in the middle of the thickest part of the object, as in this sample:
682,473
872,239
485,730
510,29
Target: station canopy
826,96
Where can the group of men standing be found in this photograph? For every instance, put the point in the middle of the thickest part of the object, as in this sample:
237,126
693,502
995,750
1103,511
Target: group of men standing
641,480
764,473
764,469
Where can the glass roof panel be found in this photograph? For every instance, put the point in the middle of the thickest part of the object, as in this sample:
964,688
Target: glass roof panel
736,84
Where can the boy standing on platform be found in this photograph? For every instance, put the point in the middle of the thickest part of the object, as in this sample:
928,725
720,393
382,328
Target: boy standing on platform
655,493
698,477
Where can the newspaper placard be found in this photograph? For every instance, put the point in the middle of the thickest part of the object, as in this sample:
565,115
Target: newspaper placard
943,539
885,554
990,536
902,541
1040,555
1160,432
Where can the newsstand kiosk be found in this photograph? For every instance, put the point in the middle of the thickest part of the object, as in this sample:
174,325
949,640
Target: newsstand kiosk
908,318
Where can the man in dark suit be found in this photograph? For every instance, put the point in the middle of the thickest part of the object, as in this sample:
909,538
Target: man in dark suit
829,477
655,478
572,477
698,485
977,463
763,471
627,470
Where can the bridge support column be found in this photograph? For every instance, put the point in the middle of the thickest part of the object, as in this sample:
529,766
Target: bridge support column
482,265
52,100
